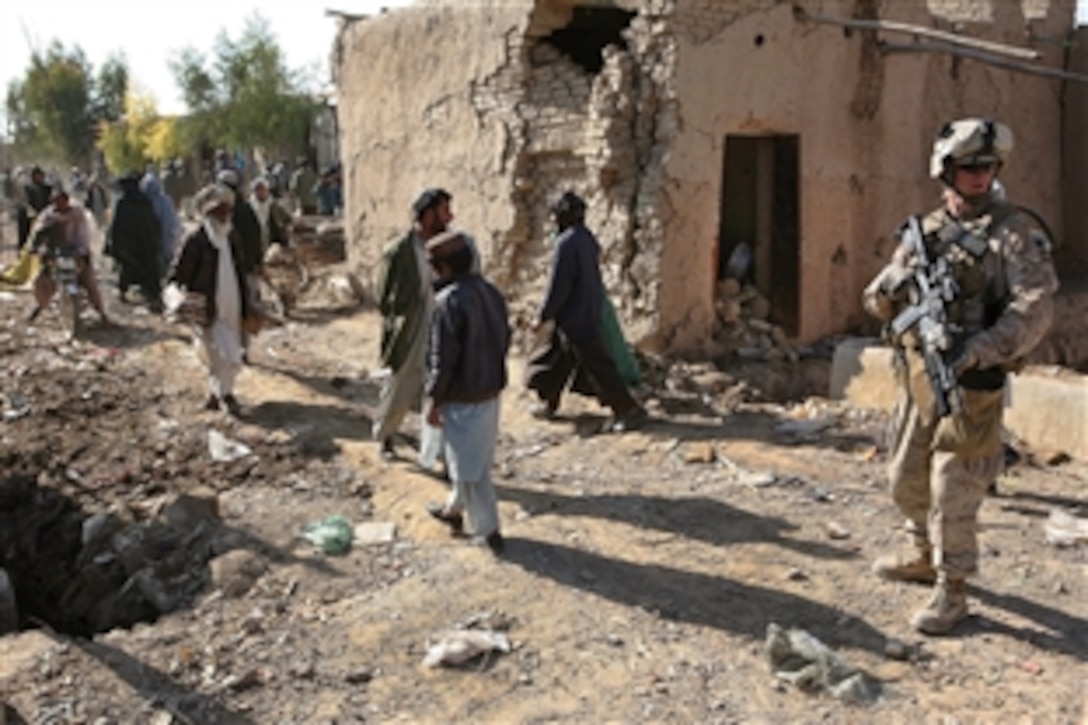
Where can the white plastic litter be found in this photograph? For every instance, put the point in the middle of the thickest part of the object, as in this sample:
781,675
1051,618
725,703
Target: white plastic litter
461,645
1064,529
224,449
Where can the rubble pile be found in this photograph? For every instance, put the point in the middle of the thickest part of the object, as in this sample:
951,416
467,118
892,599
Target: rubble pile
109,492
83,573
744,326
319,239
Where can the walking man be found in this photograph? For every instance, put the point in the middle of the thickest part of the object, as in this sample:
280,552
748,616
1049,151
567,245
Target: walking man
406,300
1002,286
466,372
576,348
134,240
209,265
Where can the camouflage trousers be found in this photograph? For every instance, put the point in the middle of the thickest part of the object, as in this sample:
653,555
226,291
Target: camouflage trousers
938,484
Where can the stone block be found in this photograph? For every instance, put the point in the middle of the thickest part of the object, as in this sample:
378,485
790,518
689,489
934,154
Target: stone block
1049,412
1047,408
861,372
187,510
371,533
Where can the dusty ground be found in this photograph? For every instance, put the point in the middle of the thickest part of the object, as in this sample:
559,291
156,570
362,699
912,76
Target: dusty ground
640,575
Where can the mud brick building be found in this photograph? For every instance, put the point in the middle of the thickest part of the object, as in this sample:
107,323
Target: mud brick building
690,126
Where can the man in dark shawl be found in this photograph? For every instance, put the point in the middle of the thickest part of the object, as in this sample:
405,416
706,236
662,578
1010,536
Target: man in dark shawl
134,242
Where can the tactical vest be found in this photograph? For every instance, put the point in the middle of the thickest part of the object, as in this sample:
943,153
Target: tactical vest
979,304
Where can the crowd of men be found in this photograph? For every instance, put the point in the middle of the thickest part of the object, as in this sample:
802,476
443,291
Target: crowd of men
446,335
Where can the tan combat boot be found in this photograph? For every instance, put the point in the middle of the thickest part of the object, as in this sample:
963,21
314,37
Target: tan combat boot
945,609
918,568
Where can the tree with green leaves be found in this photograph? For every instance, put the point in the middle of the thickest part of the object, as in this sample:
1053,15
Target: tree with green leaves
111,87
50,110
244,96
55,111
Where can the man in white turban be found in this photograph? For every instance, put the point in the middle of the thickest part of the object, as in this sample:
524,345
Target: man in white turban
210,265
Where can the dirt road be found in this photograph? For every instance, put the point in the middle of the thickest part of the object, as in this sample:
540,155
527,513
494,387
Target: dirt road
640,576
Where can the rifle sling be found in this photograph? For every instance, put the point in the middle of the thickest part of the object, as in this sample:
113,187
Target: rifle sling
983,379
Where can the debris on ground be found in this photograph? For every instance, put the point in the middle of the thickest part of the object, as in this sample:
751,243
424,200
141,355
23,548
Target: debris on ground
837,531
462,645
225,450
370,533
1066,529
802,660
332,534
897,649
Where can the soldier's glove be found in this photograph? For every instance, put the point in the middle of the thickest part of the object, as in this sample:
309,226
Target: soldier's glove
966,361
893,282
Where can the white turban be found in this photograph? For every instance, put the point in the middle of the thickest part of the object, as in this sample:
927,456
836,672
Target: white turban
211,197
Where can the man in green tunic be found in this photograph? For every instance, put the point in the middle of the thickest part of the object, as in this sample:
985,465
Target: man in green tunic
406,300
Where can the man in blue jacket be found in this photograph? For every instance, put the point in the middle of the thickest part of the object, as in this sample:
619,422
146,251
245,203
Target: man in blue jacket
576,348
466,373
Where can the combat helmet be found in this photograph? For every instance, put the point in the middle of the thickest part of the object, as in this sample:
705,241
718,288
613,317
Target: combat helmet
969,141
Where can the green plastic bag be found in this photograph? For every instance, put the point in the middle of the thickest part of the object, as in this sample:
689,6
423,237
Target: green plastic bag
332,534
616,344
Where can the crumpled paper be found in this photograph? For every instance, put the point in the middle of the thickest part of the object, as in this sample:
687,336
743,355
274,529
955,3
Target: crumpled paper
224,449
799,658
459,646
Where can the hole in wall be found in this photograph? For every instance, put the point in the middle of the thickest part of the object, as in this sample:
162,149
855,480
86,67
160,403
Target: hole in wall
758,40
589,32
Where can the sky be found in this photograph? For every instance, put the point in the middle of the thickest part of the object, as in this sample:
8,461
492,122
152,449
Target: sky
151,33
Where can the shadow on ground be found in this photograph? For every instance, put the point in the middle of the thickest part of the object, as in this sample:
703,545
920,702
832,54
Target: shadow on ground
701,518
1058,631
692,597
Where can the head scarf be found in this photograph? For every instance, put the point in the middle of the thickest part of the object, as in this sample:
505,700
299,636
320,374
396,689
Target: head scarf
211,197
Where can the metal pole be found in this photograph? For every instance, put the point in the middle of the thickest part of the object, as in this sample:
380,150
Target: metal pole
886,47
892,26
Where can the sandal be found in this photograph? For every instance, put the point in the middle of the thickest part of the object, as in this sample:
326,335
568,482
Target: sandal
452,519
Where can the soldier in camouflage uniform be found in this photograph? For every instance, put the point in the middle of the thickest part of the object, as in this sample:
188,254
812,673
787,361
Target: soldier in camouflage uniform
1000,260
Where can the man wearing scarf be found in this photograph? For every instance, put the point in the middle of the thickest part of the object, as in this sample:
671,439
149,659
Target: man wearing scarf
134,241
273,218
210,264
166,213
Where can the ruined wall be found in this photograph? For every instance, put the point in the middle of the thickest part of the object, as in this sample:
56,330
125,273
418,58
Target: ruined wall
482,98
426,97
865,122
506,131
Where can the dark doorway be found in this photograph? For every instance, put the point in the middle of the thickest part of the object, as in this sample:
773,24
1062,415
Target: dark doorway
760,206
591,30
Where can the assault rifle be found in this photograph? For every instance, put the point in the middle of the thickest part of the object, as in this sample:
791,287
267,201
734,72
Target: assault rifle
933,288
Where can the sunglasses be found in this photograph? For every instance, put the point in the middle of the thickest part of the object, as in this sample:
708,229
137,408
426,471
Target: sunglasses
978,168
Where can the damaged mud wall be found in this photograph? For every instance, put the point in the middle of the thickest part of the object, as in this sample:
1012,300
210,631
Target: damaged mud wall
408,84
863,123
554,95
690,126
593,101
